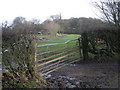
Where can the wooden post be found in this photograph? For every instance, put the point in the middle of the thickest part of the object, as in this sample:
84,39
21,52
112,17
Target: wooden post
85,46
79,47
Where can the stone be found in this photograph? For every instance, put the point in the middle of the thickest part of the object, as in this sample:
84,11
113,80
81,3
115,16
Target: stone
72,86
77,83
48,76
72,78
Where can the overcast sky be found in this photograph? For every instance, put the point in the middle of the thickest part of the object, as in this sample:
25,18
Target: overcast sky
42,9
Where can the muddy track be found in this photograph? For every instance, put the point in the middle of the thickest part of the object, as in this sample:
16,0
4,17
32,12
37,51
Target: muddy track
90,75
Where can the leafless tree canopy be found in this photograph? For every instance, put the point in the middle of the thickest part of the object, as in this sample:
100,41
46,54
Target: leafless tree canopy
110,9
52,27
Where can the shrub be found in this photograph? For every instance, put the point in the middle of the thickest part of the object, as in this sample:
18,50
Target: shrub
18,57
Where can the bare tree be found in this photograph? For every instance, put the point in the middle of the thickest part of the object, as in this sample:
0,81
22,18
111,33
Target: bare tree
52,27
56,17
110,10
35,21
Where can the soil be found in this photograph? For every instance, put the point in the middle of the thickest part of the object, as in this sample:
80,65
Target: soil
87,75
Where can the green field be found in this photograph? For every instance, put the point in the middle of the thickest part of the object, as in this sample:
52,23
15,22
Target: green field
55,56
62,49
60,40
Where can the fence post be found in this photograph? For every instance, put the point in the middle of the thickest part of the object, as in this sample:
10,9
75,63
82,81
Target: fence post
79,47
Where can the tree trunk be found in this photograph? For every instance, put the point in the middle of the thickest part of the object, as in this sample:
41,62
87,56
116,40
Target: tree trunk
85,46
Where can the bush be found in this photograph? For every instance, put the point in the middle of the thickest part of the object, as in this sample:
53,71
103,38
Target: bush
18,58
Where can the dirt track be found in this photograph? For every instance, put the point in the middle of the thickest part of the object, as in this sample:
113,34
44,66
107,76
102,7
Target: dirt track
101,75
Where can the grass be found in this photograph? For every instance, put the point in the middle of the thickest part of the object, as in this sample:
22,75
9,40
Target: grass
56,49
48,36
60,40
32,84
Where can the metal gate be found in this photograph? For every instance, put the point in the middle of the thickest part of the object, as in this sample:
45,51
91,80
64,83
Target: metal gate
54,56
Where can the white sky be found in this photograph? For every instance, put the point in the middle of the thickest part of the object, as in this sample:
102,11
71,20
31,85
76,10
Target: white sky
42,9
